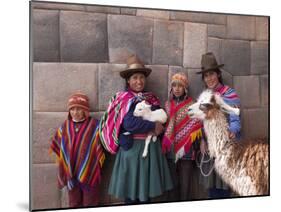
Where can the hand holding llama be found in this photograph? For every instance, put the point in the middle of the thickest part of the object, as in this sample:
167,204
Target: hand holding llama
144,110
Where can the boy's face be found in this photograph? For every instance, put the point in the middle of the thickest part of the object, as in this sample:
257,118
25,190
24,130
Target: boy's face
77,114
177,89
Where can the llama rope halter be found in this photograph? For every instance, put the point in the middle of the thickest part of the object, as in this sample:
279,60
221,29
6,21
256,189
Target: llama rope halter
204,161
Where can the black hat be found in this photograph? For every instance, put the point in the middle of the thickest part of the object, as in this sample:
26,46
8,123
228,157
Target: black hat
209,63
134,65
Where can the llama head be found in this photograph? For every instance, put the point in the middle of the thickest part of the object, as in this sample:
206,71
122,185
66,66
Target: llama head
208,104
142,108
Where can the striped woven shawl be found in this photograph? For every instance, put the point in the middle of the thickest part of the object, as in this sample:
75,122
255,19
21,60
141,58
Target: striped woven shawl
229,95
181,131
112,119
79,155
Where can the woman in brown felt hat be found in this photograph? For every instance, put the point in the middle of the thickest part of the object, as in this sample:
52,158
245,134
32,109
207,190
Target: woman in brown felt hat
134,179
212,78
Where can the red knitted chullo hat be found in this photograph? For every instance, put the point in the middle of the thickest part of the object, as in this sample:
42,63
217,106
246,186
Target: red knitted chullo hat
78,99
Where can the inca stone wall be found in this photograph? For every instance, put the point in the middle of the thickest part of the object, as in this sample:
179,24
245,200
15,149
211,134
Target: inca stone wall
83,47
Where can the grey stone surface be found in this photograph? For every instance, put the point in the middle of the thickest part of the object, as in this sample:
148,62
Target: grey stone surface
255,123
259,57
173,70
227,78
134,37
248,89
218,31
45,193
264,90
157,82
103,9
83,37
208,18
168,42
44,127
110,82
53,83
196,85
58,6
215,45
195,44
262,25
64,198
128,11
45,28
161,14
240,27
236,55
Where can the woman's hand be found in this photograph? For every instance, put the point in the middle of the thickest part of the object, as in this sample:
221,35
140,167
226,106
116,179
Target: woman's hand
203,147
158,128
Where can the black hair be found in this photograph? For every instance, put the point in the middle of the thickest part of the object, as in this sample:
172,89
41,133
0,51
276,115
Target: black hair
218,71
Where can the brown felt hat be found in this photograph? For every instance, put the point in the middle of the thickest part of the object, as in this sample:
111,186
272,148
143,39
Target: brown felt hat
134,65
209,63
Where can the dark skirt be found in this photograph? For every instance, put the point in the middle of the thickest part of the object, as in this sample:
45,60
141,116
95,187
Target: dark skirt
139,178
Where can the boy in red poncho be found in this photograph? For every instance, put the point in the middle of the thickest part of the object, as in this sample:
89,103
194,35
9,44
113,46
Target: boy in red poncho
79,153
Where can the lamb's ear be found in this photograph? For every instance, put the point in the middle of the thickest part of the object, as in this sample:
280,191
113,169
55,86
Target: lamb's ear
225,107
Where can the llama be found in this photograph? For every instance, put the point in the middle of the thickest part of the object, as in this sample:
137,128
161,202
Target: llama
242,165
144,110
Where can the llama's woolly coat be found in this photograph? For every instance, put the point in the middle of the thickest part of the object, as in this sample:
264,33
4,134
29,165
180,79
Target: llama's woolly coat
243,165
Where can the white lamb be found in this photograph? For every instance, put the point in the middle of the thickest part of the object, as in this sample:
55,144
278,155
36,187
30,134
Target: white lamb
144,110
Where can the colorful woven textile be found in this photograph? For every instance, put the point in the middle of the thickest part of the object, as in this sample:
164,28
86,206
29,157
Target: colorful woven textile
112,119
79,155
229,95
181,131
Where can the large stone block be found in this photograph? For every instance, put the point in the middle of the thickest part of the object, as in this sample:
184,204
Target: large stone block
227,78
57,6
255,123
248,89
83,37
45,193
103,9
128,11
134,37
168,42
161,14
44,127
236,56
157,82
259,57
45,35
215,45
173,70
240,27
195,44
218,31
208,18
264,90
53,83
110,83
262,27
196,85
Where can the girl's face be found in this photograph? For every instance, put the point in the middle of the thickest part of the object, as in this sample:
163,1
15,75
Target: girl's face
211,79
77,114
177,89
137,82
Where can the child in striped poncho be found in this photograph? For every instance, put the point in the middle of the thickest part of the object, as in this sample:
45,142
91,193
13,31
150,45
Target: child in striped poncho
79,153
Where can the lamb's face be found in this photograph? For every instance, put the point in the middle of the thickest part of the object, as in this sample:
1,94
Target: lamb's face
141,108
